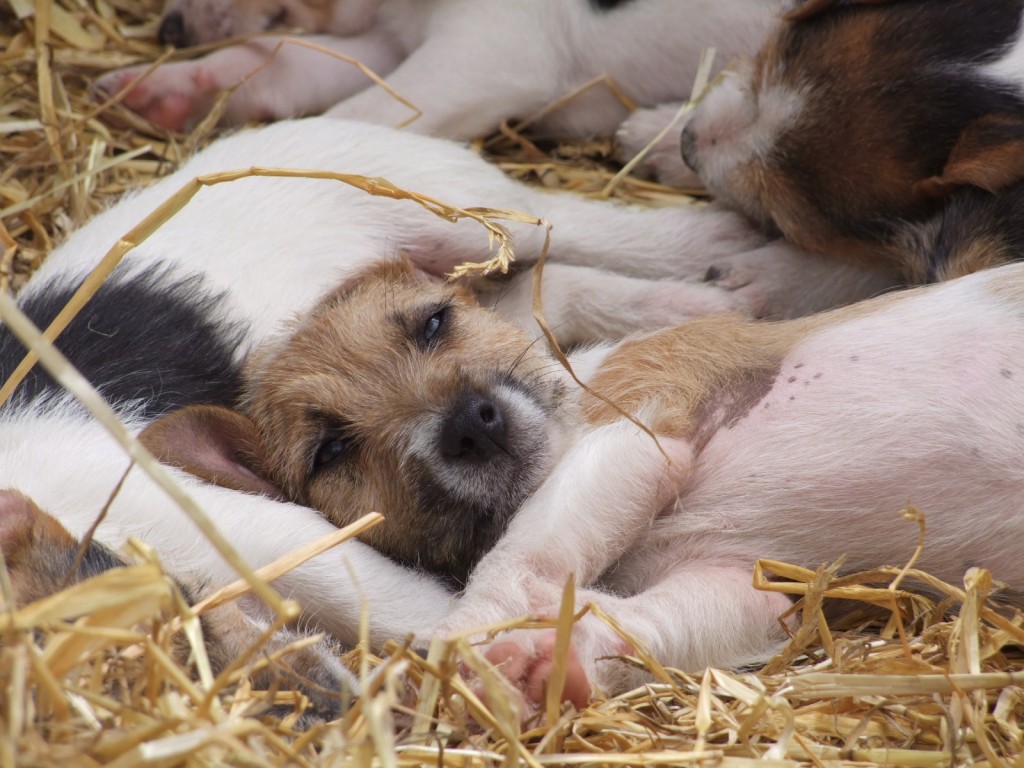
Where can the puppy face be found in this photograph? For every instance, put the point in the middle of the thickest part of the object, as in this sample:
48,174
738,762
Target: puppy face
401,395
828,135
191,22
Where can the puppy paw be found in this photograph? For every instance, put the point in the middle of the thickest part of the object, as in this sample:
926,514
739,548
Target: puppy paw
674,302
526,659
175,96
664,161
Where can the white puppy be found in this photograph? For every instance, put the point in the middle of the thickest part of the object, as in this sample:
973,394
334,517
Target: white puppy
467,64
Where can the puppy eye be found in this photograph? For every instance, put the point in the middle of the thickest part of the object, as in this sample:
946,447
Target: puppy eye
331,449
435,326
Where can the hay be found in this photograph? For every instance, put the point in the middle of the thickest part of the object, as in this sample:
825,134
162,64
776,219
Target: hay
916,672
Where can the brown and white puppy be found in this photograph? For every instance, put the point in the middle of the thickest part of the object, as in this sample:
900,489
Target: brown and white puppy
857,117
39,555
798,441
396,393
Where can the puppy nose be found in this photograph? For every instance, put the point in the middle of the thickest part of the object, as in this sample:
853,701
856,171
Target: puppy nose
172,30
688,145
474,430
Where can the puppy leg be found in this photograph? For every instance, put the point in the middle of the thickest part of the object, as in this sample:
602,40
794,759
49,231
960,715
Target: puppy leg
664,161
314,670
460,77
678,242
788,282
584,305
699,615
592,507
286,81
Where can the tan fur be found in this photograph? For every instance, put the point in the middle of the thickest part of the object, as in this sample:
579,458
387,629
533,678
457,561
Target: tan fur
38,552
27,537
704,373
989,155
681,372
976,255
238,442
355,367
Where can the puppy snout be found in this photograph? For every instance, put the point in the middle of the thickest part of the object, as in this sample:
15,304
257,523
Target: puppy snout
474,430
688,146
172,30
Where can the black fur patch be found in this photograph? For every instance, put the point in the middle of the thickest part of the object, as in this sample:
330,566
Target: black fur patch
608,5
976,216
921,68
151,338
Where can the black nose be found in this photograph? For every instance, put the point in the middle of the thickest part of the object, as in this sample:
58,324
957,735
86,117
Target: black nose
688,145
474,430
172,30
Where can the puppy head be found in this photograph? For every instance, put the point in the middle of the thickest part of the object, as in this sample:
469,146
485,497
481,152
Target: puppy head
191,22
829,133
399,394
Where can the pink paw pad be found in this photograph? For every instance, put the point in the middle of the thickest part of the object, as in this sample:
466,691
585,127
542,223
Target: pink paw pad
530,670
172,97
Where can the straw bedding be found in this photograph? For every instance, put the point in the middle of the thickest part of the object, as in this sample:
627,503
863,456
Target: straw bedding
915,672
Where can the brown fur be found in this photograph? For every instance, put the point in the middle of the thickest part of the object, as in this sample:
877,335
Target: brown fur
705,373
236,459
685,373
891,123
861,172
355,368
39,551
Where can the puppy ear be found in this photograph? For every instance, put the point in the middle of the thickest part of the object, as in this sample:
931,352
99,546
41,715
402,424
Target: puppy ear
26,532
989,154
808,9
216,444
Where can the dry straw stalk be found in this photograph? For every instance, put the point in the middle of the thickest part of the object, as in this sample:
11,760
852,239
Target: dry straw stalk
914,672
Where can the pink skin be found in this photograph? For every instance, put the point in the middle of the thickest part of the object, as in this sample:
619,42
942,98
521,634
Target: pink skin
174,109
177,95
525,572
530,672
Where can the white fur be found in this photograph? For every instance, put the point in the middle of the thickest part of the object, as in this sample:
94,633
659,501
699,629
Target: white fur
274,246
1009,68
918,401
469,64
69,466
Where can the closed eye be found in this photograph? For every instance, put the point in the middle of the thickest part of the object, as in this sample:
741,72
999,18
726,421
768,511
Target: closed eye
332,449
435,326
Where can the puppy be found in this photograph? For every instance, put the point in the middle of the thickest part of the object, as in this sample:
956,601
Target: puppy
857,117
39,555
467,64
175,321
798,441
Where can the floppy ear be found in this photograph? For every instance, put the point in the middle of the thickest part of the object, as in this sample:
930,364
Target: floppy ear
808,9
989,154
26,532
217,444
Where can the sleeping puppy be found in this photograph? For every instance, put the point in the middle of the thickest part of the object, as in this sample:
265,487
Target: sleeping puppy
174,323
857,117
798,441
467,64
39,555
